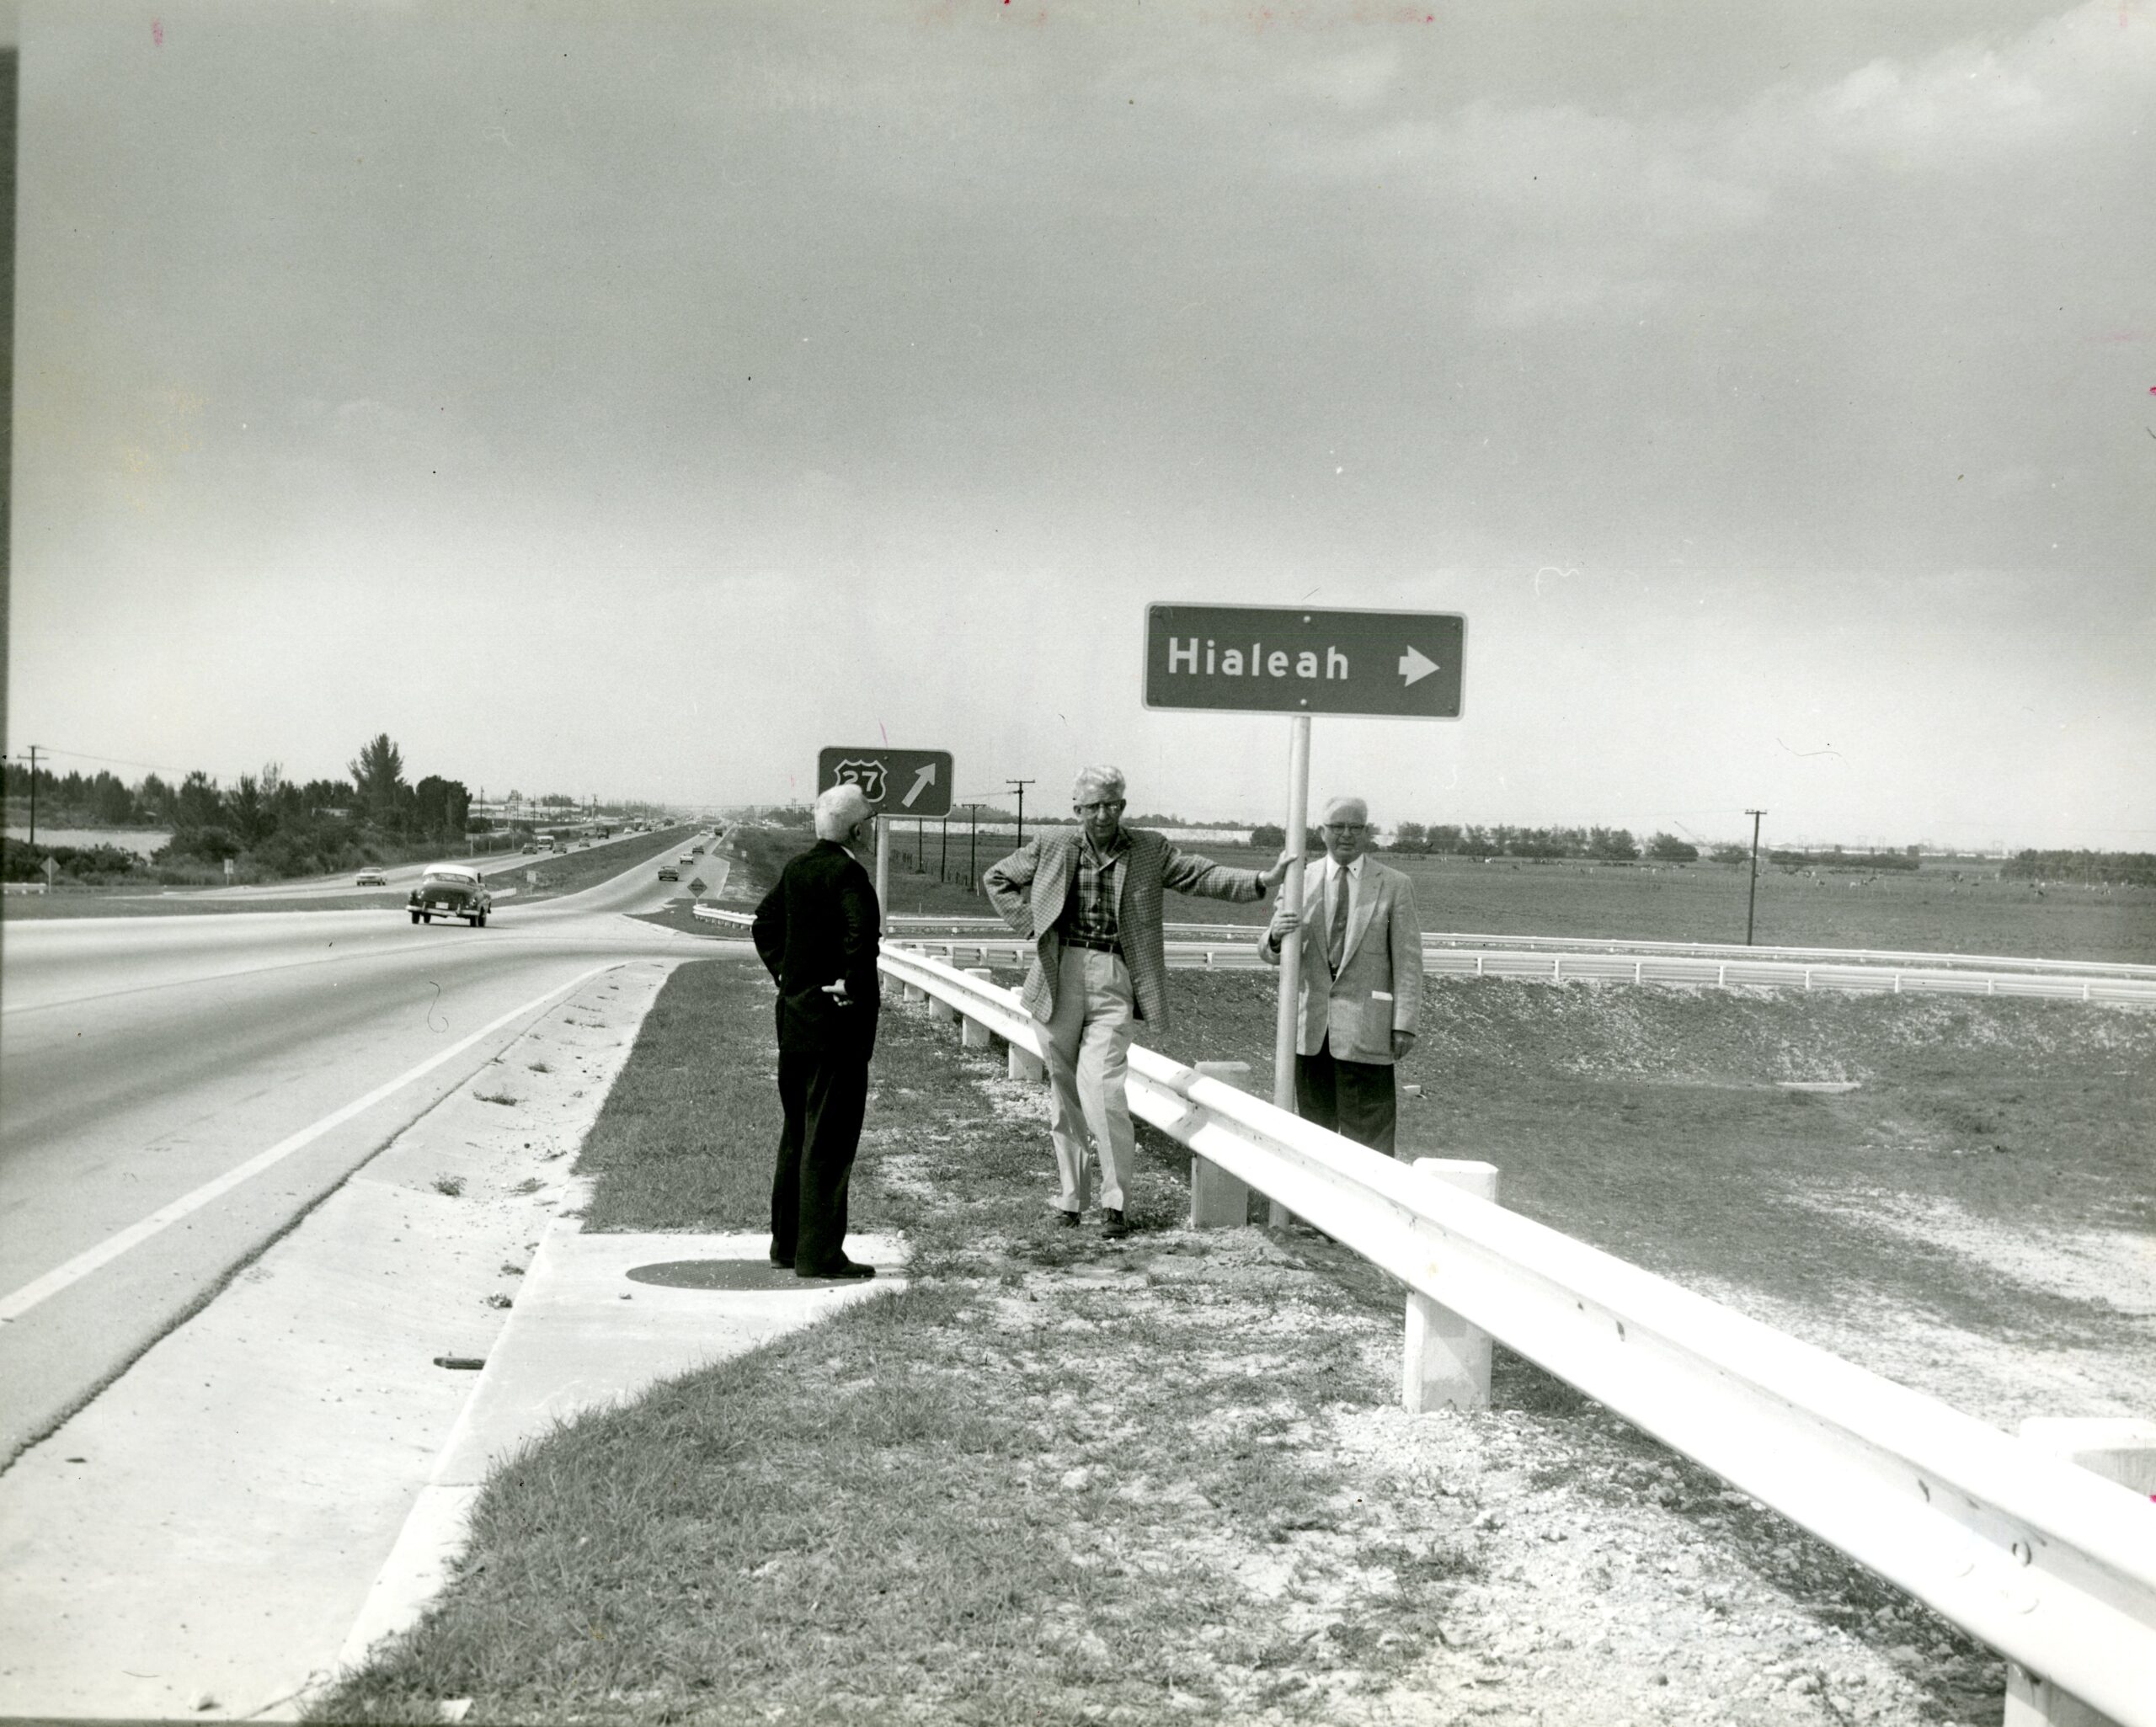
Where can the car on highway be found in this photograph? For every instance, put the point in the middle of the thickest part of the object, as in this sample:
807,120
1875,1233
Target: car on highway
372,878
667,872
688,857
450,891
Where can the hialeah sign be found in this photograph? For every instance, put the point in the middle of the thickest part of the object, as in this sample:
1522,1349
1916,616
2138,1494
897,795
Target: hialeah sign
1286,660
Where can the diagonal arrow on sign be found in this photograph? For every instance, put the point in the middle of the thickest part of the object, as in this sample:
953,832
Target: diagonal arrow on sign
1415,667
921,781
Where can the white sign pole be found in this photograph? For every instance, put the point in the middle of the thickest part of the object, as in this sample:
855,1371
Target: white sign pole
1291,951
883,868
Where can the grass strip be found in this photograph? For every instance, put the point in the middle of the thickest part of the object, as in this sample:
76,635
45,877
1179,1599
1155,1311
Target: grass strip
1027,1487
1061,1479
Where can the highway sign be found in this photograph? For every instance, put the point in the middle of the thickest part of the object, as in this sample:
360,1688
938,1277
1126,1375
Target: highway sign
896,782
1285,659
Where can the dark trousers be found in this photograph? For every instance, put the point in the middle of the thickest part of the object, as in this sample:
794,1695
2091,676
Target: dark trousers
1354,1099
825,1094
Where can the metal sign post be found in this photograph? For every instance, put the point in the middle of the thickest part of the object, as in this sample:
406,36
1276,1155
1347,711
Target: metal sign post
1291,952
883,865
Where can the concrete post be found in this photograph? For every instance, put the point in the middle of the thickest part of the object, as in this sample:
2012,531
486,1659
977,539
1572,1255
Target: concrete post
915,993
1026,1065
976,1034
1443,1359
2120,1449
1217,1200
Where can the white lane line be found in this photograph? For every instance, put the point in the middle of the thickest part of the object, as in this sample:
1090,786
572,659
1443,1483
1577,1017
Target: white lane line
14,1306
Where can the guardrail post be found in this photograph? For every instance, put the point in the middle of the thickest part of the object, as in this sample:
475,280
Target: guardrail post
1444,1360
1026,1065
1218,1200
2120,1449
976,1034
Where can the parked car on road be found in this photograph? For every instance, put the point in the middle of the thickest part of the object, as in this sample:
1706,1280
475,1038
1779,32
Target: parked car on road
372,878
450,891
667,872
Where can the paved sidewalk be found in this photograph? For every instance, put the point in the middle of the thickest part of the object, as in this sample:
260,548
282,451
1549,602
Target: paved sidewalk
588,1331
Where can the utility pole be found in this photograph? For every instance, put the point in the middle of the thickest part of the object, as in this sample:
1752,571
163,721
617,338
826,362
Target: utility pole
33,749
1021,785
1751,898
973,839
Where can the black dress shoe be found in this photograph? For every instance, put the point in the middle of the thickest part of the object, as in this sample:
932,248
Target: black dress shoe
779,1265
1068,1219
1114,1226
844,1270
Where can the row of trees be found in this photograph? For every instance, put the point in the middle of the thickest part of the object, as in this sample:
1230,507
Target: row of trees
267,825
2116,869
1443,838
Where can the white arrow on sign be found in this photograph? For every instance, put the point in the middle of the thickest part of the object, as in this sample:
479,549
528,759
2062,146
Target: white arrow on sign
1414,667
921,781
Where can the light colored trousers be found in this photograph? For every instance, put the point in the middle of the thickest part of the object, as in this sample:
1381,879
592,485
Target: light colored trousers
1088,1039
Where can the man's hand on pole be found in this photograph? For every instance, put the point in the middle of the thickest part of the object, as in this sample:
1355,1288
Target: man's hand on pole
1279,873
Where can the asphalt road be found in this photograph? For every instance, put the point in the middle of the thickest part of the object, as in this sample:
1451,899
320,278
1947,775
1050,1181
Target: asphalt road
174,1093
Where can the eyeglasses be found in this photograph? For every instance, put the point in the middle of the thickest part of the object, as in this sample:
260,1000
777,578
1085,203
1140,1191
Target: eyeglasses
1115,804
1346,827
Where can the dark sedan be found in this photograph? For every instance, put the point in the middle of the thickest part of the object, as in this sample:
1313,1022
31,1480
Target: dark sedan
450,891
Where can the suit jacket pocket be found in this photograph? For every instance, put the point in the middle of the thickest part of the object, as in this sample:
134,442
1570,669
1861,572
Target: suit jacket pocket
1377,1026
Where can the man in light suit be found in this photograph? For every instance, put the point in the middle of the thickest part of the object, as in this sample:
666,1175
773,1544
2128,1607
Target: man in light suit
1362,981
1089,899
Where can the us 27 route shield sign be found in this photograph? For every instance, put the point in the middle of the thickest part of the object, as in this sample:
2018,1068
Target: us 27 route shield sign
896,782
1284,659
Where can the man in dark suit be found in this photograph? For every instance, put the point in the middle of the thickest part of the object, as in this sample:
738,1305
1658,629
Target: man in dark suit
818,932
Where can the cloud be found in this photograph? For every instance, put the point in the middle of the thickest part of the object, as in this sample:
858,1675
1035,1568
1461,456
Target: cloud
1572,213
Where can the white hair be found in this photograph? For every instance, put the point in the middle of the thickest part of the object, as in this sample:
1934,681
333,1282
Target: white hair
1346,809
839,809
1107,781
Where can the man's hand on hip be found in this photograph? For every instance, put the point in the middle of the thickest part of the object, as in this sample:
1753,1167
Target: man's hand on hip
838,994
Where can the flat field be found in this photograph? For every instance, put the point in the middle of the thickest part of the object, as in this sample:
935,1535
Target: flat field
1976,1218
1931,910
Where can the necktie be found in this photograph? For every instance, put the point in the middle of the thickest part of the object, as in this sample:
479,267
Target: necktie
1336,945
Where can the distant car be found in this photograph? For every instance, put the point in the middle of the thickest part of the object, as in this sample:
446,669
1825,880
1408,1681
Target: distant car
667,872
372,878
697,850
688,857
450,891
524,850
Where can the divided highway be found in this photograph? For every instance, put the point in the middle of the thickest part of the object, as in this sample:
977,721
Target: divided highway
175,1092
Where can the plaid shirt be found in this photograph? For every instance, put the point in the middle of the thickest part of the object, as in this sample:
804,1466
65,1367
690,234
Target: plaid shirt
1088,908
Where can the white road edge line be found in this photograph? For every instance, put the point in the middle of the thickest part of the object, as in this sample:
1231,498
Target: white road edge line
13,1307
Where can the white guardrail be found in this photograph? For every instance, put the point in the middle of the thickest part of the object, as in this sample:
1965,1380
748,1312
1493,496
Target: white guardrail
2046,1562
1559,959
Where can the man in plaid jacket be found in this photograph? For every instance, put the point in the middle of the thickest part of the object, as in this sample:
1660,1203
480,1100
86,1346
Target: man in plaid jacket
1090,901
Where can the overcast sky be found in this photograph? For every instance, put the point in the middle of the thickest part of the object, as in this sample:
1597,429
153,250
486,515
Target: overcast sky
632,400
